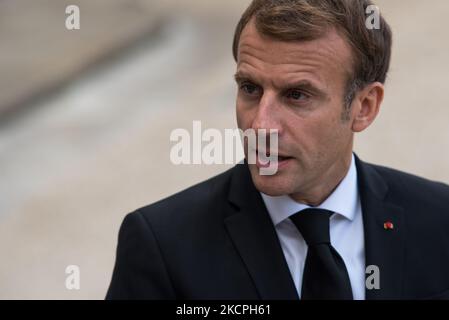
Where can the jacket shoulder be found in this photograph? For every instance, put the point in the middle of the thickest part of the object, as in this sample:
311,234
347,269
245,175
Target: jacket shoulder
190,204
414,189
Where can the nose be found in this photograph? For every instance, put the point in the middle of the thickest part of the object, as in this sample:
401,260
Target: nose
268,118
268,114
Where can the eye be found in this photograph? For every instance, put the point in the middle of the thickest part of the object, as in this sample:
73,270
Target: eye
249,88
297,95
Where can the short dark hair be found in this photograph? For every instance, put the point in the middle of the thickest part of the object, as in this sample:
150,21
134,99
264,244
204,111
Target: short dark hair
304,20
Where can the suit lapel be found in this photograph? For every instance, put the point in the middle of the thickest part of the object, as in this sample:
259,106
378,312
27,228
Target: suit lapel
253,234
384,248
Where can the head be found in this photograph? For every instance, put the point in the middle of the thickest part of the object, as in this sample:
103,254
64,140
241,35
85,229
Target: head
311,70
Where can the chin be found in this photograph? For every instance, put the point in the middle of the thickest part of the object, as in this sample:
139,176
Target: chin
274,186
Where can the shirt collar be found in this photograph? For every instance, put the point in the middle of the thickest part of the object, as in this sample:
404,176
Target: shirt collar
343,200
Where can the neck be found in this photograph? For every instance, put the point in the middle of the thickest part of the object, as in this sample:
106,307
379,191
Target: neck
323,189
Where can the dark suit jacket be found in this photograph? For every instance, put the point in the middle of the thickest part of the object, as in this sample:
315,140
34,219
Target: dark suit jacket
216,240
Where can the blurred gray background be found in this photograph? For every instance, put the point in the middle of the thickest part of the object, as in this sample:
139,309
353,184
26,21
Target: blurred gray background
85,119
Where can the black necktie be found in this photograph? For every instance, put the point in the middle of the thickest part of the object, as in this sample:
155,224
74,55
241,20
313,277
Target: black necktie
325,276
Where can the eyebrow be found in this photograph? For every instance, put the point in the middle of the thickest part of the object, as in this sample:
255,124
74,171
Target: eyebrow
242,77
301,84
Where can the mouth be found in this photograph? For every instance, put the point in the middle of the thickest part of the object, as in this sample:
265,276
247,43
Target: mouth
281,160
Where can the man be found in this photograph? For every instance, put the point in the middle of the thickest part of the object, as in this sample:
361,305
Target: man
311,70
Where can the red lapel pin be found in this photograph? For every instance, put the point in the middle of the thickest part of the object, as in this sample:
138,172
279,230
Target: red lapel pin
388,225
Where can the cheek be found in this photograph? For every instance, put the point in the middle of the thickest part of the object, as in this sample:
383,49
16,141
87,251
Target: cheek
240,117
316,133
244,116
333,132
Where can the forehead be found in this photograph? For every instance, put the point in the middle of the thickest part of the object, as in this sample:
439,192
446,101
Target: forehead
327,59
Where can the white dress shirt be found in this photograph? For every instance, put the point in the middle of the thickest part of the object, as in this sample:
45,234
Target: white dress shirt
346,231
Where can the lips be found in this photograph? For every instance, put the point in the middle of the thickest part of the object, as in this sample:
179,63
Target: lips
280,160
280,157
283,158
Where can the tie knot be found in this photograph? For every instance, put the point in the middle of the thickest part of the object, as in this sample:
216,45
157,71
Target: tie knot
313,224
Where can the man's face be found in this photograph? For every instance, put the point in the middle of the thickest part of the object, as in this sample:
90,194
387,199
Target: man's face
296,88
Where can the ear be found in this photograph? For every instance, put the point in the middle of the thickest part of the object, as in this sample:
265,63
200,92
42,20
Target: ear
366,106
